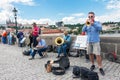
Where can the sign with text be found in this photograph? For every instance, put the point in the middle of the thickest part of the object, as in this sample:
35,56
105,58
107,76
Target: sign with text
81,42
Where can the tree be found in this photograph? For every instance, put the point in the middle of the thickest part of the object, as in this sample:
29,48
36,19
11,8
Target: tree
118,23
75,33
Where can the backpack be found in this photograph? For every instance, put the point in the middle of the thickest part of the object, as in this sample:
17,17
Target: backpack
84,72
63,65
18,35
64,62
111,57
39,31
54,70
58,70
55,49
93,75
76,72
26,52
49,48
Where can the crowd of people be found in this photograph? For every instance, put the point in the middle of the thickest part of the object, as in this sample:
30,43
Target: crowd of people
8,37
39,45
11,38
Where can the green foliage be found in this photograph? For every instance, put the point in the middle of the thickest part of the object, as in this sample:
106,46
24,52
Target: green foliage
79,29
117,28
118,23
53,27
75,32
2,27
110,32
27,27
74,26
107,23
70,32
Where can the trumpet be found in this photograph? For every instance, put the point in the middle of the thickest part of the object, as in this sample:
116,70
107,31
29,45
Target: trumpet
59,41
88,23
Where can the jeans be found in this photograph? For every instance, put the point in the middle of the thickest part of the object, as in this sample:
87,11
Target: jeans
39,51
19,44
35,41
4,40
9,40
61,49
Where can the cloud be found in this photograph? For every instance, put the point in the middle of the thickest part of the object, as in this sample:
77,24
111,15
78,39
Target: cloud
6,7
113,4
78,14
4,16
40,21
68,19
113,16
74,18
25,2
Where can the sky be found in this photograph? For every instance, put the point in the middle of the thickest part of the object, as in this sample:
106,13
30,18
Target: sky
51,11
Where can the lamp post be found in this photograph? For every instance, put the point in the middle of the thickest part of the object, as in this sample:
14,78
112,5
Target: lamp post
15,16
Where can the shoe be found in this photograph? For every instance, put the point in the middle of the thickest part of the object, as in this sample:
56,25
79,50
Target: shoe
31,58
65,55
44,54
41,57
102,71
58,56
92,67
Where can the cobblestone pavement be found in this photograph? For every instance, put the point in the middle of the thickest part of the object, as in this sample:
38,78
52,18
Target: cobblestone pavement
15,66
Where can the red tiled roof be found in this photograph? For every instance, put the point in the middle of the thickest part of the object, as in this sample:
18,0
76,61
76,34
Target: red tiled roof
51,31
44,31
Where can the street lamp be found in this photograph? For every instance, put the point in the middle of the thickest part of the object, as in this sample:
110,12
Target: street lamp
15,15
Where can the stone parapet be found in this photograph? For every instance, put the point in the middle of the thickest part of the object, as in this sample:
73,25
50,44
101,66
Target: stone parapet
108,43
50,38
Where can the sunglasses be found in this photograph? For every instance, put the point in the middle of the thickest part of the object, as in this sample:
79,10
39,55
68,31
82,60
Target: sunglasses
90,16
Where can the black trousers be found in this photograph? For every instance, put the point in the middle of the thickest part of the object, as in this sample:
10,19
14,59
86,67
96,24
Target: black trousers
35,41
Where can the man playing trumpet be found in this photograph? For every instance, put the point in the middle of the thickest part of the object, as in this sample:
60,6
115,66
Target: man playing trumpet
92,28
65,45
